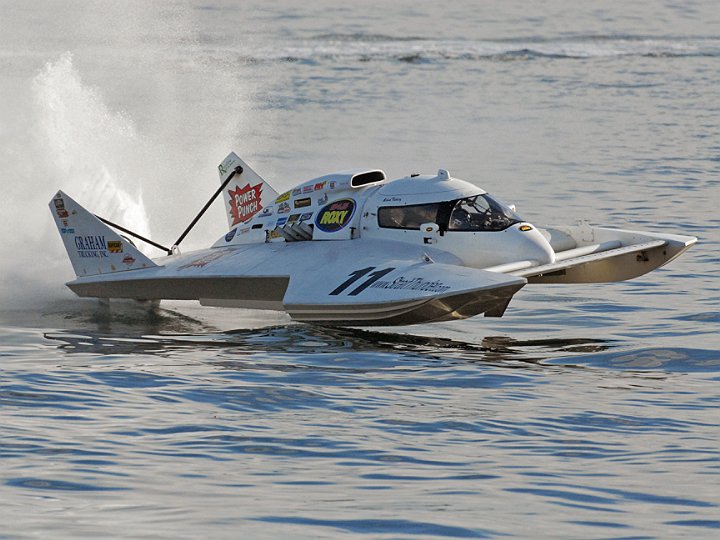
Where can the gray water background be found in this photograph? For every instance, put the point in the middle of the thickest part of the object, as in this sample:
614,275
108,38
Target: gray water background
586,412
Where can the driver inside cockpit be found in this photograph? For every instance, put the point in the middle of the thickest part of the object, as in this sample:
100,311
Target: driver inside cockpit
481,213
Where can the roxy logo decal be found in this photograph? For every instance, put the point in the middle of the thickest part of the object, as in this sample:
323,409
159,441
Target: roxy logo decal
335,216
244,202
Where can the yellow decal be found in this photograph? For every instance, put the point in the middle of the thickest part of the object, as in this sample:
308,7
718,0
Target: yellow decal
115,246
338,216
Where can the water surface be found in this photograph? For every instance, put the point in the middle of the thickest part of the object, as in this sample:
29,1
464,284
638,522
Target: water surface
586,412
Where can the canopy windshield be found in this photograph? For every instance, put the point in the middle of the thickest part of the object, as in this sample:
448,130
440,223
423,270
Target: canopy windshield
477,213
481,213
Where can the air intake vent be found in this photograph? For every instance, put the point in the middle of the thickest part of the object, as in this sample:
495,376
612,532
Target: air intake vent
296,232
366,178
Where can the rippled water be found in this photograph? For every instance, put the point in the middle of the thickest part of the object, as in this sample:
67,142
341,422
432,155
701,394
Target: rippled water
308,431
586,412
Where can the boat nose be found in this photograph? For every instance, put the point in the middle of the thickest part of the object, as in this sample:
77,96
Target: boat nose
535,246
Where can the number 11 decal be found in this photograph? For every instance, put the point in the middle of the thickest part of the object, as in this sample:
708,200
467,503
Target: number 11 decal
356,275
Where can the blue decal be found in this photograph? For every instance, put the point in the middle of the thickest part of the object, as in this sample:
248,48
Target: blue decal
91,246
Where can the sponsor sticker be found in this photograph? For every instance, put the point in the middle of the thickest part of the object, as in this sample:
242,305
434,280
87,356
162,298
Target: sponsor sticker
308,189
293,218
302,203
267,211
115,246
67,231
392,199
525,228
89,247
128,259
245,202
231,234
224,167
306,216
284,208
282,221
282,198
296,192
60,208
413,284
332,185
323,200
335,216
319,186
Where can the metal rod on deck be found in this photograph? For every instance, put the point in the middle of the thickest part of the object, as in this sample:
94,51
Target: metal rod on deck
169,251
238,170
134,235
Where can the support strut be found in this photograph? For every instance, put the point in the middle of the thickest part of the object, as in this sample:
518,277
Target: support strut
237,170
173,249
134,235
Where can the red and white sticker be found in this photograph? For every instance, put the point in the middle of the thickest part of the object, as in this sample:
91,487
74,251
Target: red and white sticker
245,202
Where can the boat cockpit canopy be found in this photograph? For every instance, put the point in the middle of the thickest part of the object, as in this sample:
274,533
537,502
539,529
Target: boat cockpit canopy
477,213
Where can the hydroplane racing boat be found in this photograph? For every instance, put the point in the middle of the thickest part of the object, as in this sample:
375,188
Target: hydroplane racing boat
354,248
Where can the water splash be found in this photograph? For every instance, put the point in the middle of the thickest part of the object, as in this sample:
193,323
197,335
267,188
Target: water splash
85,143
72,141
124,145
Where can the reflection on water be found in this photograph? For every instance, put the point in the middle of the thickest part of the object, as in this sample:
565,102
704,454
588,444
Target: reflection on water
391,428
313,339
157,335
141,406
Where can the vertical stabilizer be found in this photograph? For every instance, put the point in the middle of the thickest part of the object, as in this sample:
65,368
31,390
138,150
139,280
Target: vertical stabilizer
93,247
246,194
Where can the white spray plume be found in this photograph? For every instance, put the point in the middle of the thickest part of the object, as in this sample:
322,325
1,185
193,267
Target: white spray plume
88,147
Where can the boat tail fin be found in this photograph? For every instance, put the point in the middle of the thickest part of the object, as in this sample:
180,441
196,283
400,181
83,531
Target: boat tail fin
93,247
246,194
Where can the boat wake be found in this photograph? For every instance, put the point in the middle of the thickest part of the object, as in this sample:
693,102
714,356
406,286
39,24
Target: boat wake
377,47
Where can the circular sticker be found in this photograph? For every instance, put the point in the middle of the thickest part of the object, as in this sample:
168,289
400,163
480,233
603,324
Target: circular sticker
336,215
